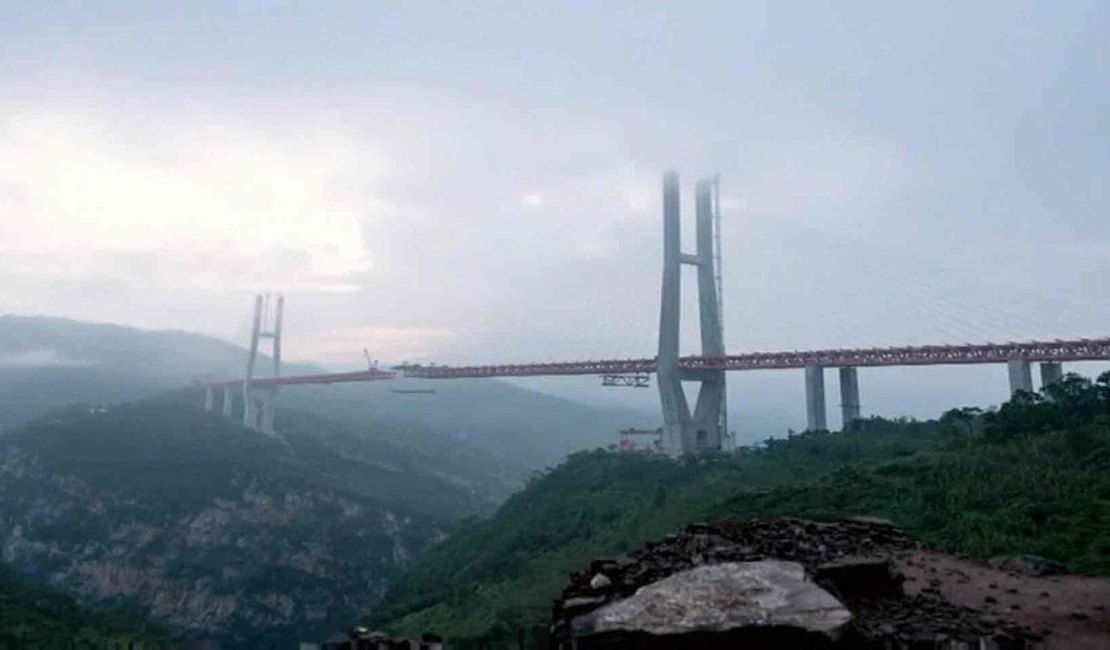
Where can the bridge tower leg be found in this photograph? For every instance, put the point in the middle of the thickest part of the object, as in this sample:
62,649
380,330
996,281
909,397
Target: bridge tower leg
703,431
849,396
209,399
259,405
1021,376
250,409
816,415
1051,371
269,402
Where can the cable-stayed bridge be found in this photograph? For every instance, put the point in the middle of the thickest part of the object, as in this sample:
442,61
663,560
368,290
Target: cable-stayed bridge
702,430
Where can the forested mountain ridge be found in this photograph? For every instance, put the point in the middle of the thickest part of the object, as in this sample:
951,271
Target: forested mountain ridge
48,362
137,480
1030,477
213,529
489,432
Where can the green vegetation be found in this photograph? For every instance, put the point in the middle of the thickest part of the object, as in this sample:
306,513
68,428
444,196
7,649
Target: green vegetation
124,504
506,426
167,451
33,616
485,450
1031,477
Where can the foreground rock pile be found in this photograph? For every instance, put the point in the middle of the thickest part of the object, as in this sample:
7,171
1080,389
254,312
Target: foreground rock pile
776,580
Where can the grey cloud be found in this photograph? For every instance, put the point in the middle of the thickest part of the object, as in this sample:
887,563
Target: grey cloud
900,174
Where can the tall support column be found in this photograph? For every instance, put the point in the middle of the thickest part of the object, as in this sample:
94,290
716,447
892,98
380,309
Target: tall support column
229,401
849,396
708,421
728,443
209,399
815,399
269,405
275,334
676,412
702,432
266,409
1051,371
250,410
1021,376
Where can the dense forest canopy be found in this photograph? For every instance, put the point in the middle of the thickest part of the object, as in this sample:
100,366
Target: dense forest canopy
1032,476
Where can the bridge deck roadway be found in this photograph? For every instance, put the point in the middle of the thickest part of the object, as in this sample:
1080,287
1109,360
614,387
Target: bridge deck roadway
927,355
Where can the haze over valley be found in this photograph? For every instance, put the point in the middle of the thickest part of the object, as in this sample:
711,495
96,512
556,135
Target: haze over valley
340,325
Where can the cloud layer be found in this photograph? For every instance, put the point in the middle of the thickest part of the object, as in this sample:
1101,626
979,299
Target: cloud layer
473,184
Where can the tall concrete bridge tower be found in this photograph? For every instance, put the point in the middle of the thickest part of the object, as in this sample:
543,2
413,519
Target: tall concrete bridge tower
704,431
260,404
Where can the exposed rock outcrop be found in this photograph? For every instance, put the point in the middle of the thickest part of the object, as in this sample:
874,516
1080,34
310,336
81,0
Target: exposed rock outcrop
854,563
267,561
731,603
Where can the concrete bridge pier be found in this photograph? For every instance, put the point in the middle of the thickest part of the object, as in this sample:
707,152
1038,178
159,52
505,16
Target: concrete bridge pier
258,414
815,399
1021,376
209,399
267,406
229,401
250,409
849,396
1051,371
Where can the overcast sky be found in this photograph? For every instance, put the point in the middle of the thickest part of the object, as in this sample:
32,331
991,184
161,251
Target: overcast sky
481,181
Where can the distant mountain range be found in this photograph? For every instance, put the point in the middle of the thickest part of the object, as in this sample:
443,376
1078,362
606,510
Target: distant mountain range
49,362
116,487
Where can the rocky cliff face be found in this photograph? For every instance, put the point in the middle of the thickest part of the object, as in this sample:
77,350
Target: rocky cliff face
245,542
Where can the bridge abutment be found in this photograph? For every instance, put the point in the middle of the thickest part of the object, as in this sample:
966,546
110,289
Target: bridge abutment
816,419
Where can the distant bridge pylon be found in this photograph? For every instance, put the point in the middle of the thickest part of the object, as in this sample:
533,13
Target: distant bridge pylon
259,397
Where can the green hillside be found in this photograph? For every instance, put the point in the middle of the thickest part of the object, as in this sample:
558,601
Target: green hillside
167,448
487,433
507,424
1032,477
215,530
33,616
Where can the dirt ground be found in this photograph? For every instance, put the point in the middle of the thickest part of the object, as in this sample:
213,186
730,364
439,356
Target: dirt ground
1071,612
